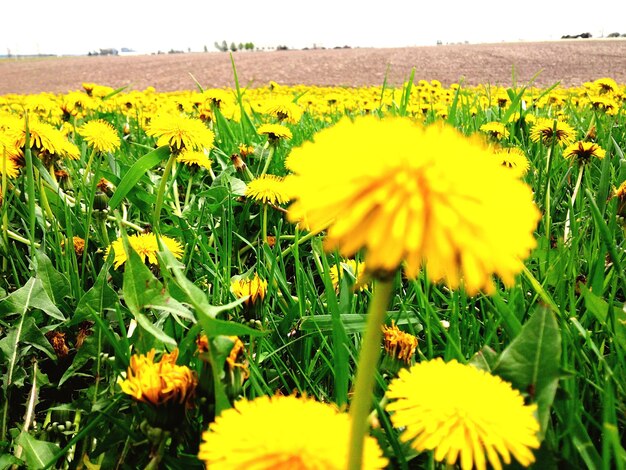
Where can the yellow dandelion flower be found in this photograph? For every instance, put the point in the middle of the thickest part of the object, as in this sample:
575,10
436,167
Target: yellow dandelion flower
582,151
274,132
604,103
47,140
356,270
462,413
146,246
284,110
415,195
514,159
548,131
496,130
100,135
7,144
282,433
399,344
605,85
254,288
180,132
158,383
8,165
245,150
194,159
268,189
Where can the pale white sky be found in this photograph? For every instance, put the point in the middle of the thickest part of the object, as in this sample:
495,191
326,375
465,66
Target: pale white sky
80,26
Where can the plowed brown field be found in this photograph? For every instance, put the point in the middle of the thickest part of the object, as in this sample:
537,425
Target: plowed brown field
572,62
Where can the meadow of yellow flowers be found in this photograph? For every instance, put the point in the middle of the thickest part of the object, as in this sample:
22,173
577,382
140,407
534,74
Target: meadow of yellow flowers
314,277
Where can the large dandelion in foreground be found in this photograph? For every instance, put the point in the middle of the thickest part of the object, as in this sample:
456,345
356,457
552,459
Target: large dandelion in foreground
415,195
282,433
462,413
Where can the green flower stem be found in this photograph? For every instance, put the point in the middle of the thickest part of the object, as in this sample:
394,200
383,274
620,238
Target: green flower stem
175,189
264,224
268,160
14,236
566,233
88,167
103,230
30,187
546,198
161,191
188,192
160,451
5,217
366,371
44,200
300,241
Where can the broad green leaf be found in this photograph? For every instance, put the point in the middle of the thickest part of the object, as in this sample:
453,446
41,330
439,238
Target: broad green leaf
532,361
352,322
214,327
141,288
485,359
207,313
135,172
99,298
55,284
8,460
121,353
600,310
154,330
33,336
36,453
88,351
32,295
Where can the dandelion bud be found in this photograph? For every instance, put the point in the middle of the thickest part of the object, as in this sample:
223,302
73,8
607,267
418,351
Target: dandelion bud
100,202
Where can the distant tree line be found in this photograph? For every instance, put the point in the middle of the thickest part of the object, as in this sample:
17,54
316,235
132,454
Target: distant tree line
224,47
588,35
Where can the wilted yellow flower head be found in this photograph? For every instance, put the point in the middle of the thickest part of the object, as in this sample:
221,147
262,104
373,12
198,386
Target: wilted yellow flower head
268,189
548,131
159,383
462,413
146,246
79,246
582,151
100,135
514,159
194,159
47,140
284,110
620,191
180,132
255,288
283,433
236,358
399,344
274,132
414,195
496,130
8,165
357,270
